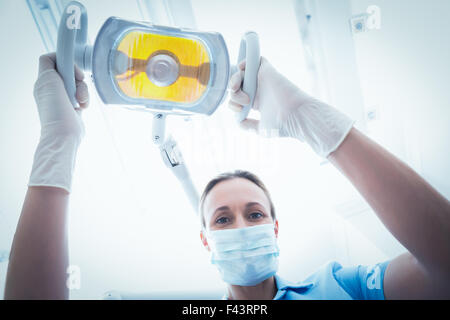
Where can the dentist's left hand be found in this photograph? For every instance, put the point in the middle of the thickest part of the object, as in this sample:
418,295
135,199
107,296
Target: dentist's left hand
62,128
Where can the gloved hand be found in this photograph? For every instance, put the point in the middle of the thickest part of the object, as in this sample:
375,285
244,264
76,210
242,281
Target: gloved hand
287,111
61,126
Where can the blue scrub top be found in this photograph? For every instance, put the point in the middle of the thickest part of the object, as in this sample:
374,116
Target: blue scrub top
334,282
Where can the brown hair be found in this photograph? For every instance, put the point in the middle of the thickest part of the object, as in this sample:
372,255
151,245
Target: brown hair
231,175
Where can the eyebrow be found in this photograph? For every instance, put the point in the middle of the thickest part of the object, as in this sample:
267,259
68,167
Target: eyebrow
224,208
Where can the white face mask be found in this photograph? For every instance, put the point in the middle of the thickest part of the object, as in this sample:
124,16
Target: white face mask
245,256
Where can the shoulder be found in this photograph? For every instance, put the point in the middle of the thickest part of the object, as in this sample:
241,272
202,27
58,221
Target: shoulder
362,282
320,285
334,281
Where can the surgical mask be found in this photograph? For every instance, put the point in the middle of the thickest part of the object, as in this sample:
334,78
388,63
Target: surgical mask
245,256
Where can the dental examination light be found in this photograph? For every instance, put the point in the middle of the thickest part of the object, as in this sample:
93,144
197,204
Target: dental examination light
160,69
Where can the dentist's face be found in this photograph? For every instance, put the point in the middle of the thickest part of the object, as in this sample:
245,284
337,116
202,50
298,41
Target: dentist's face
236,203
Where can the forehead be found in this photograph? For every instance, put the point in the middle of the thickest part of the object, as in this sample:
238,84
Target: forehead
234,192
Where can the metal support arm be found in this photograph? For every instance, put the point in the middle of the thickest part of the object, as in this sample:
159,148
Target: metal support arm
173,159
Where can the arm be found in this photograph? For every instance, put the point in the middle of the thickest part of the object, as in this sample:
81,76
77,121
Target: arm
416,214
39,253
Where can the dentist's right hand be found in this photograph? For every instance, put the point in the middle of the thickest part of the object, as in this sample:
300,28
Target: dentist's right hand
39,257
62,128
289,111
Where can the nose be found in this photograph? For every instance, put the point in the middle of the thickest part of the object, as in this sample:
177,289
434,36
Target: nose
240,221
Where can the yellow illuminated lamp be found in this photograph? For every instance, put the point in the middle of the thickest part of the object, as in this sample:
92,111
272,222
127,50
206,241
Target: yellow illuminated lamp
191,57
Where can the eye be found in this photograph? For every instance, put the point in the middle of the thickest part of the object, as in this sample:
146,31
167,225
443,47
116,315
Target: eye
222,220
256,215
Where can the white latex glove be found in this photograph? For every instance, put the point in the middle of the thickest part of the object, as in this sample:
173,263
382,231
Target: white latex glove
61,126
289,111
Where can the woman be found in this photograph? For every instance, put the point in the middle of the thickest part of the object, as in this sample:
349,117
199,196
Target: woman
239,222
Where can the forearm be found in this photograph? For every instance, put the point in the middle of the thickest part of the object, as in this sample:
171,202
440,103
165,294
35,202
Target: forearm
39,253
415,213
